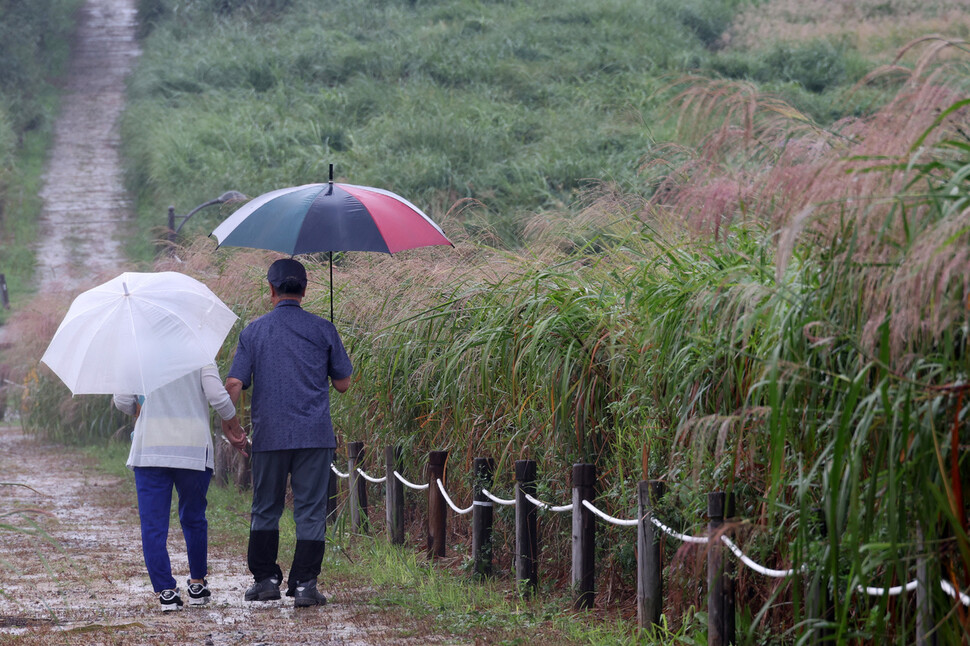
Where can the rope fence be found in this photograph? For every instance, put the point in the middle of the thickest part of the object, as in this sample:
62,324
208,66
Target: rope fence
649,587
419,487
495,499
451,504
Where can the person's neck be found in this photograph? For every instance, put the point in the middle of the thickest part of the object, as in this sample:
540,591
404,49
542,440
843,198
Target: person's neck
276,298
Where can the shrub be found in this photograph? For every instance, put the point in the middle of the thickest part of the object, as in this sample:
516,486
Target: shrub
816,65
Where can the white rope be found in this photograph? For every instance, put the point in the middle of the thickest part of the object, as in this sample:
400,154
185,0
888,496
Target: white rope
371,478
544,505
500,501
778,574
680,537
892,592
610,519
451,504
953,592
342,475
410,484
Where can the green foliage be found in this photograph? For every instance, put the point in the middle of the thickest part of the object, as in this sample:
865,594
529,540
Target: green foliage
816,65
48,410
34,47
706,20
514,106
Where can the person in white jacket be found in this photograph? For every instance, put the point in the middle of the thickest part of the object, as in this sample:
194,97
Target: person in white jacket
172,447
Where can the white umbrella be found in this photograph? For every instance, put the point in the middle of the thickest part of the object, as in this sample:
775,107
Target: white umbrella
137,332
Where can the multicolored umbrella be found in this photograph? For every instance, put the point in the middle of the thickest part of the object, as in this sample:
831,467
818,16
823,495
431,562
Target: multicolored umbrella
329,217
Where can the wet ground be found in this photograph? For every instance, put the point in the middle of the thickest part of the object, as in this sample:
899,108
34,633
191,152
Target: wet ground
82,580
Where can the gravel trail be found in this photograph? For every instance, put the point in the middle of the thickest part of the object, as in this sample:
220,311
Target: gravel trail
82,579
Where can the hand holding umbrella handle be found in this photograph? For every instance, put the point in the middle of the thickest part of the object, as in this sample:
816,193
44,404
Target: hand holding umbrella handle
235,433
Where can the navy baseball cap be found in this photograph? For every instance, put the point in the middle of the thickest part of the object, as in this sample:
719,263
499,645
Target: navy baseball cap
286,269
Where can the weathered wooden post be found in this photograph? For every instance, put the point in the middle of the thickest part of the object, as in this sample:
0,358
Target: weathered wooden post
482,515
720,582
650,559
584,537
925,635
394,495
171,224
526,535
437,517
4,294
357,487
332,498
220,457
820,606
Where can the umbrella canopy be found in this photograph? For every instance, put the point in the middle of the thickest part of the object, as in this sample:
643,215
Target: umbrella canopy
329,217
137,332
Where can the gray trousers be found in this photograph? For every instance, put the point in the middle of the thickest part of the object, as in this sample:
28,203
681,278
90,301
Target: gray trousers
309,472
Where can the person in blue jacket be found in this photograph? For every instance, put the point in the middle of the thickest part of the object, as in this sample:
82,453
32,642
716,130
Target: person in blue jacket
290,358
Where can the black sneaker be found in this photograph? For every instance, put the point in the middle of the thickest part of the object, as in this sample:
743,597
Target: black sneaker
306,594
170,600
265,590
198,593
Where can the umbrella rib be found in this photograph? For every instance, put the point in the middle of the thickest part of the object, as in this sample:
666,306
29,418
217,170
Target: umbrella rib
177,316
196,335
137,348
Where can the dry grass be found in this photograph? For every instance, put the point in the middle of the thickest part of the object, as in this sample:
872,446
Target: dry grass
766,163
877,28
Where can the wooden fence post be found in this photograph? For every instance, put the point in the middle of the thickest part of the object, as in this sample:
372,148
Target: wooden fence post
4,294
482,515
820,606
650,559
437,517
526,535
584,537
220,456
720,582
925,633
357,488
332,497
394,496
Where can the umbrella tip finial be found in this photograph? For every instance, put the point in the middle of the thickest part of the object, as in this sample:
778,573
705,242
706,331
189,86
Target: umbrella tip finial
125,286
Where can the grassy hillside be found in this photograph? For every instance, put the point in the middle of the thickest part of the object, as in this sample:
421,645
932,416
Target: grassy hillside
481,112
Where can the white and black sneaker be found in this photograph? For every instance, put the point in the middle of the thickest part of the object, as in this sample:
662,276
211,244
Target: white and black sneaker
170,600
198,593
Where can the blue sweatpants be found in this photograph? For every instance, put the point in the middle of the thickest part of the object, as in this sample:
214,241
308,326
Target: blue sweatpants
154,487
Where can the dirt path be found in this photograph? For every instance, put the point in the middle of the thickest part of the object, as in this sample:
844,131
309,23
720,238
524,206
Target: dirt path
85,205
87,584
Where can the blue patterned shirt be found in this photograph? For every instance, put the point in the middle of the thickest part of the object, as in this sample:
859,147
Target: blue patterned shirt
289,356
